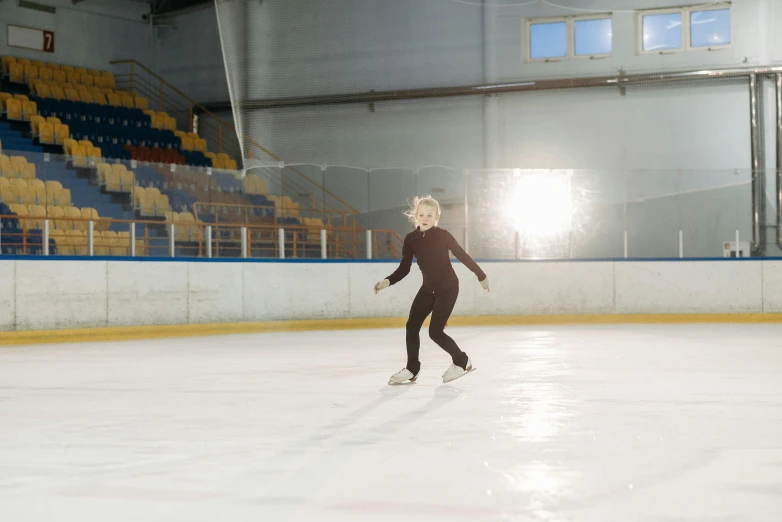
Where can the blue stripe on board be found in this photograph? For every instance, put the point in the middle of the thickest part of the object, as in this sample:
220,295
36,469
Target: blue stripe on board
6,257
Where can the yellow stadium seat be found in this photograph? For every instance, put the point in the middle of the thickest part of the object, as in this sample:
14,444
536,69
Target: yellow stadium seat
72,94
86,214
53,66
170,123
29,109
27,171
9,193
39,63
113,181
7,61
7,168
115,100
128,181
79,153
61,133
148,202
60,77
100,247
14,110
66,68
18,160
103,170
128,101
157,122
78,242
35,124
24,61
86,96
46,133
73,216
87,80
199,144
68,146
99,98
39,188
100,82
161,204
45,74
42,90
16,73
20,185
80,70
120,246
94,152
3,97
85,143
140,102
55,214
139,198
58,93
30,73
64,198
74,77
19,209
230,164
187,143
37,214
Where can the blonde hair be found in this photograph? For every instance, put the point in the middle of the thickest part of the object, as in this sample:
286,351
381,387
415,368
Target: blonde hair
425,200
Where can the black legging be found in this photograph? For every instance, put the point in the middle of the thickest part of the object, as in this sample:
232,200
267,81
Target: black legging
440,306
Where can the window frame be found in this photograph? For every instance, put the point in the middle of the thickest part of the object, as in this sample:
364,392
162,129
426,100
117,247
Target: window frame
570,35
686,13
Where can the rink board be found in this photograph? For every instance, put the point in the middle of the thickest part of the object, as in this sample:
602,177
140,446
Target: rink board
132,299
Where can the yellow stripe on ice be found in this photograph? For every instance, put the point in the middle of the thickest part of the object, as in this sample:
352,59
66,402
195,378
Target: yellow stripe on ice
197,330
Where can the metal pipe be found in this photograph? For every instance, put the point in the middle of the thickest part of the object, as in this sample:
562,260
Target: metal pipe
496,88
133,240
779,159
757,174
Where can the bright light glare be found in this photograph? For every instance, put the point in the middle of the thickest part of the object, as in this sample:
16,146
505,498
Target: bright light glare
541,205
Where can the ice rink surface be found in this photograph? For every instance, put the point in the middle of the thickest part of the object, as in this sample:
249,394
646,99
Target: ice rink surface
564,423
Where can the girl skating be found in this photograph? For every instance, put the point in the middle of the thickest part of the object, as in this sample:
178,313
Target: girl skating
430,246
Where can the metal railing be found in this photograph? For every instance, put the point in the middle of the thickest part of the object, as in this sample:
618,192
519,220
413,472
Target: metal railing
64,236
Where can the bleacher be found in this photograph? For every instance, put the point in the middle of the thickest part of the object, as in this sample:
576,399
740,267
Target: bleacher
86,105
94,130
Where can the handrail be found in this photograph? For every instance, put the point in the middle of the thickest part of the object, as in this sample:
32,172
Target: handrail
341,244
136,63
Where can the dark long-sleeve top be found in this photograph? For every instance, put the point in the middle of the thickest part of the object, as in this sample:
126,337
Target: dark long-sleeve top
431,248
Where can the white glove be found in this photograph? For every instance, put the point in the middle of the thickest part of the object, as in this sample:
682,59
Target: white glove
485,284
382,285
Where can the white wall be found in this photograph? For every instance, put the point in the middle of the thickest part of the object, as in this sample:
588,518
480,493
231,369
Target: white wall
356,46
89,34
36,295
188,54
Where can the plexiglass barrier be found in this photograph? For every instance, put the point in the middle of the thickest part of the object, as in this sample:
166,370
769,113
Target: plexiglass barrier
61,205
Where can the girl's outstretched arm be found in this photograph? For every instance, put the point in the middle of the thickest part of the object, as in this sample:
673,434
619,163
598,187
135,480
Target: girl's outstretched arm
464,257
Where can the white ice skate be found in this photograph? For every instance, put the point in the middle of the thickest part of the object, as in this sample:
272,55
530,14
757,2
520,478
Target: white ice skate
403,376
454,372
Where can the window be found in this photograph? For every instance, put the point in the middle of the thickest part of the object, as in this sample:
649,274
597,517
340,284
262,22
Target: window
572,37
685,29
710,28
662,31
548,40
593,36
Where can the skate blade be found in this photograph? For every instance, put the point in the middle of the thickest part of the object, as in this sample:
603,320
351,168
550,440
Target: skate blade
406,383
461,375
